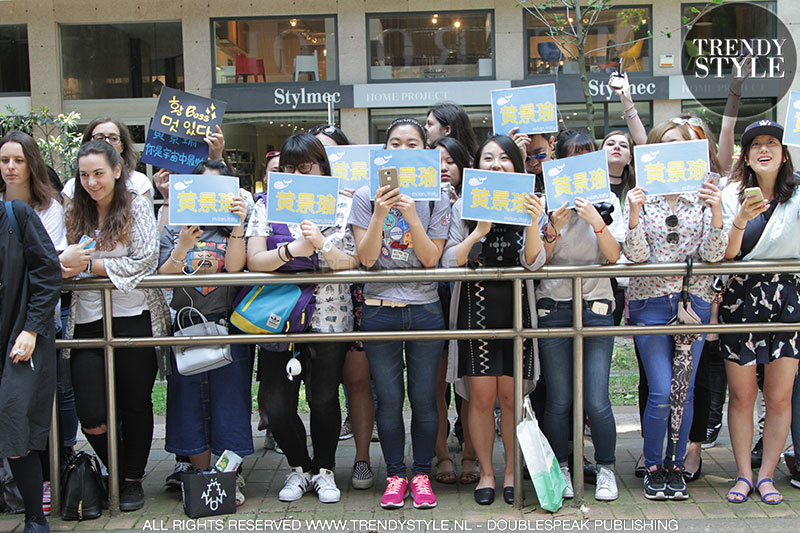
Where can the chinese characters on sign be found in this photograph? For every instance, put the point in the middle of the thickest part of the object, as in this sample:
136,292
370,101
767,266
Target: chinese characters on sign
350,164
496,196
671,168
173,153
417,172
292,198
791,132
531,109
199,199
581,176
187,115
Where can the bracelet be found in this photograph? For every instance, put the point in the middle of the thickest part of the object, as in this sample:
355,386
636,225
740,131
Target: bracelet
734,94
550,241
89,267
737,227
633,106
632,115
287,252
232,236
172,258
278,249
601,229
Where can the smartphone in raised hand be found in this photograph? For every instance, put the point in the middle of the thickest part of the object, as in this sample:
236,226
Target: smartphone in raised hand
618,78
754,195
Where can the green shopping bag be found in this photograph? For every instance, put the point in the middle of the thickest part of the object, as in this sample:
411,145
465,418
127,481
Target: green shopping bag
542,464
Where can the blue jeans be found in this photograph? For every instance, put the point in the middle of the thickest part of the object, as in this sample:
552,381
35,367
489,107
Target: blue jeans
555,355
422,366
657,352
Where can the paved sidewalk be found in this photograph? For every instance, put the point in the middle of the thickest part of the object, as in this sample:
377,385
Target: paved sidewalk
265,471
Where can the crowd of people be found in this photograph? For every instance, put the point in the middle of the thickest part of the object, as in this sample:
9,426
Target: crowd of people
103,224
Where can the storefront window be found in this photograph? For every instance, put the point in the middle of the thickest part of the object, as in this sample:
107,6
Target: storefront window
121,60
619,33
480,117
607,117
259,50
15,74
442,45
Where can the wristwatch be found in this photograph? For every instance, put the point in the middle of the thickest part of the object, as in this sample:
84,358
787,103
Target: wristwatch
326,247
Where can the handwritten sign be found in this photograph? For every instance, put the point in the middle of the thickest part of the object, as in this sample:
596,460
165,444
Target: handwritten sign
581,176
292,198
187,115
791,133
202,199
417,172
350,164
671,168
173,153
531,109
496,196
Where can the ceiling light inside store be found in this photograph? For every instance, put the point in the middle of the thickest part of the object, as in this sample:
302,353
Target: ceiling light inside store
457,24
435,20
293,22
325,51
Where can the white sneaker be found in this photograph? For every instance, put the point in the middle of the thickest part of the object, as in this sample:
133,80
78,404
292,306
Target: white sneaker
325,485
568,492
606,489
297,484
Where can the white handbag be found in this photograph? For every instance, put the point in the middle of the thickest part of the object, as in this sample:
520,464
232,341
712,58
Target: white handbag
200,358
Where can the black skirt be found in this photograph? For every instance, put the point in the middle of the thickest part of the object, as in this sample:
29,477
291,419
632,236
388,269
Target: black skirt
760,298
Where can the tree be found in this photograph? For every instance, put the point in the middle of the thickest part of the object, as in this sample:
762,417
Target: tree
56,136
568,24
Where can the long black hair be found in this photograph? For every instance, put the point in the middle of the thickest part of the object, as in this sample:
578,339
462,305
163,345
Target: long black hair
453,115
785,183
459,154
570,142
508,145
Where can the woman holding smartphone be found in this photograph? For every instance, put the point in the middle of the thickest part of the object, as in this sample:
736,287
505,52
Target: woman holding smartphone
488,365
395,232
761,209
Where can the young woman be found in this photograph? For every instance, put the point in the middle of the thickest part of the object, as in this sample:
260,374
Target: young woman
580,236
488,365
322,362
123,229
210,411
392,232
662,229
762,226
454,159
30,285
450,120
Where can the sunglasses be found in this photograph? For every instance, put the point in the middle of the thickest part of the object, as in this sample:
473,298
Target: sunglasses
672,222
692,121
327,129
304,168
541,156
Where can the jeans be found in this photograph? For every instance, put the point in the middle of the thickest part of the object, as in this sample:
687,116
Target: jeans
322,372
67,416
555,355
656,353
422,366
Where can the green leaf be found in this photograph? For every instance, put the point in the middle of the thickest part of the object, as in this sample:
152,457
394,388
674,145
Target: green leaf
686,19
695,10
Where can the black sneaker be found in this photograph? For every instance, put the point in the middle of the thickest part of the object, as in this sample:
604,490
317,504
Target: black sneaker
655,484
676,485
757,453
711,436
175,479
131,496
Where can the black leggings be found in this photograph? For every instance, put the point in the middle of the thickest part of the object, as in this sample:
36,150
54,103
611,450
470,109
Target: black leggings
135,372
322,373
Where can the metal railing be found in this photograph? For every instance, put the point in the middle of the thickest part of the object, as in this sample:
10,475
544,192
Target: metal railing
517,332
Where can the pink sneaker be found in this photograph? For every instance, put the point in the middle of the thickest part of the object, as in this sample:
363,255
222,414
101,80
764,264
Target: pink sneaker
422,493
395,493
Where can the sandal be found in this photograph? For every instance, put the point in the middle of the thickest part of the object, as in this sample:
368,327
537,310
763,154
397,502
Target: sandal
733,496
774,493
448,477
469,477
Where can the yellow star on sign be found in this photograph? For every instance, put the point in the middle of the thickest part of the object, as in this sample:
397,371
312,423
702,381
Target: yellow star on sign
213,116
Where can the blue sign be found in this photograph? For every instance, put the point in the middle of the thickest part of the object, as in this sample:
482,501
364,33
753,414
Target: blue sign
791,132
671,168
416,172
202,199
580,176
173,153
298,197
496,196
531,109
350,164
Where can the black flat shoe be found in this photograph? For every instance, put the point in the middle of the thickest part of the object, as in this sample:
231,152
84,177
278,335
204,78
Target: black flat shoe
485,496
693,476
508,495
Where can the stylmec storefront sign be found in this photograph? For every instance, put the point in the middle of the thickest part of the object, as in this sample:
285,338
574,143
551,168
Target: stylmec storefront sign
285,97
570,90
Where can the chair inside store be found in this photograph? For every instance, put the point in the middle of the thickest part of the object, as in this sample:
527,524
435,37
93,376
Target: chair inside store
307,64
632,54
249,66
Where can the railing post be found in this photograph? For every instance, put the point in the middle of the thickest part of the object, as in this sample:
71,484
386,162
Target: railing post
519,495
111,406
577,389
55,454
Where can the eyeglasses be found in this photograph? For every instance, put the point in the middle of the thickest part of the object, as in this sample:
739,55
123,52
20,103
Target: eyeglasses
112,139
304,168
692,121
541,156
672,222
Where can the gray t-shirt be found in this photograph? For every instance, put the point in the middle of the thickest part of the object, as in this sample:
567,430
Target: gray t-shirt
210,249
397,248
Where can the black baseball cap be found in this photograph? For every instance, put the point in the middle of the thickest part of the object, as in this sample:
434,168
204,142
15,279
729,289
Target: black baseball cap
762,127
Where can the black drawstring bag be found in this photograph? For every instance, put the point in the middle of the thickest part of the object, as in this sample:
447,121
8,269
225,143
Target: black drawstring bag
83,490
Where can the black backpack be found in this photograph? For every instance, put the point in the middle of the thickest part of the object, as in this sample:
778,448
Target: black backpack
83,490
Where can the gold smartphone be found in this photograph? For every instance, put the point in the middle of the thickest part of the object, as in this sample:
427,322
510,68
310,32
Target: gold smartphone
388,176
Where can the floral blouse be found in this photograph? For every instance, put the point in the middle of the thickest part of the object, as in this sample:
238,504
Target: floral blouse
647,243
